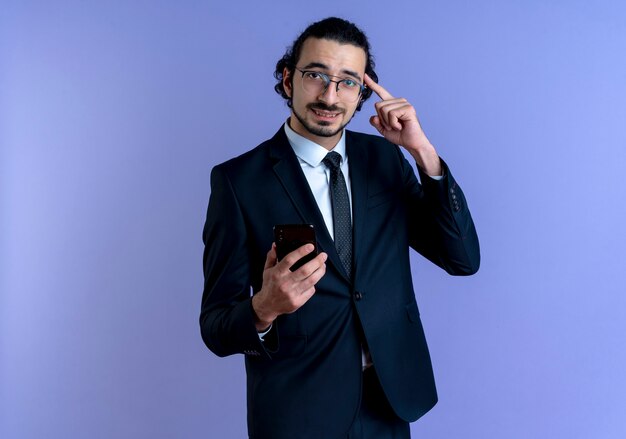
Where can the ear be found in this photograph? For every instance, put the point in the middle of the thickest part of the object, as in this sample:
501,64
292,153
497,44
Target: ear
287,82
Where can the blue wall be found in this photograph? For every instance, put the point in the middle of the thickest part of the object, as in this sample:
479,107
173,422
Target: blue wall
113,113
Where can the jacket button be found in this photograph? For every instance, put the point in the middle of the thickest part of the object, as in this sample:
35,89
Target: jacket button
358,295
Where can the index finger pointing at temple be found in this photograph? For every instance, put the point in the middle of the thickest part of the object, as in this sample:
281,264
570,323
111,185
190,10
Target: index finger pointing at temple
377,88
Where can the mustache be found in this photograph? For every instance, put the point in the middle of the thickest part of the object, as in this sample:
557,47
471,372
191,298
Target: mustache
323,107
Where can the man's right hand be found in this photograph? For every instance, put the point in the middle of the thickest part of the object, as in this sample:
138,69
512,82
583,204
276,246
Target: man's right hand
284,291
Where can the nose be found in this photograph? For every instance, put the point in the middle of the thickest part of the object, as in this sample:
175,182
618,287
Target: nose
329,95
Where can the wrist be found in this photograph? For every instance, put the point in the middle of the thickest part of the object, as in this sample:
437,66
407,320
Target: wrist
427,159
262,318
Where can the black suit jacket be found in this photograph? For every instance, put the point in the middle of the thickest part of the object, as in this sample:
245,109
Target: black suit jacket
304,381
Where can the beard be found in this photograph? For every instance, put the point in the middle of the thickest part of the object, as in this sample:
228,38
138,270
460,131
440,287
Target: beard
321,129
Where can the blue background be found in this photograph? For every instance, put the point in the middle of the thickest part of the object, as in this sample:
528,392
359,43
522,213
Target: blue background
112,115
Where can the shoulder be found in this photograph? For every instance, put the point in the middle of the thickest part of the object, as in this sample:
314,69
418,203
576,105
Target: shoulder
245,159
375,147
257,159
369,140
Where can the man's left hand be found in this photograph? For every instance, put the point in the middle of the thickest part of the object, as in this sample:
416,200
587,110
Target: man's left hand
397,122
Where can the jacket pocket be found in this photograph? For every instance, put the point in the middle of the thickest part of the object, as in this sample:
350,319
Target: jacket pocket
290,346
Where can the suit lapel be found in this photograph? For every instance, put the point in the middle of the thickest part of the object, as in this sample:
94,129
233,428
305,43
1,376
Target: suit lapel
358,162
289,173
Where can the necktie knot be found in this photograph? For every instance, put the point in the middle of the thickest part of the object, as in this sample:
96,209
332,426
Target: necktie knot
332,160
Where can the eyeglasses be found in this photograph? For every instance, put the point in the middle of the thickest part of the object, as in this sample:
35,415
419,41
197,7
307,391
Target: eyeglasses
316,83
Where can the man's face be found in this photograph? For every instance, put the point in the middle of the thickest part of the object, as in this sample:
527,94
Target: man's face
321,117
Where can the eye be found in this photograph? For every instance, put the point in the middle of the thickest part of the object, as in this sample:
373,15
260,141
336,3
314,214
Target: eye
350,83
313,75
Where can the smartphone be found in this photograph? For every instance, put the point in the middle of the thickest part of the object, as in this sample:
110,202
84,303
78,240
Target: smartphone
289,237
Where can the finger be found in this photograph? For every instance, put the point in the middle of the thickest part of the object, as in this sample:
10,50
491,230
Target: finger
375,122
384,107
306,295
271,258
377,88
379,119
309,268
391,101
304,298
383,119
392,105
394,112
311,281
397,112
296,255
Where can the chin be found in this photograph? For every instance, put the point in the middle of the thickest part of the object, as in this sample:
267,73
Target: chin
324,129
321,128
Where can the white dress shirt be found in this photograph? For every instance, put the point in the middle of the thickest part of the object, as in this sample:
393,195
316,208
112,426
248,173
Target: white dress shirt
310,156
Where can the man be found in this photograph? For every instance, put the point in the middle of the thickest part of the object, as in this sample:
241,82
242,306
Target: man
334,349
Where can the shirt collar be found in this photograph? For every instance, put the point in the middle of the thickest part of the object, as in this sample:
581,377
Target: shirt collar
311,152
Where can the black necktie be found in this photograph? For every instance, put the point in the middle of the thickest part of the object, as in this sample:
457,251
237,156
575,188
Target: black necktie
342,223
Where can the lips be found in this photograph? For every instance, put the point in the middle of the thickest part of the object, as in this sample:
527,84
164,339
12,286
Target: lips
325,114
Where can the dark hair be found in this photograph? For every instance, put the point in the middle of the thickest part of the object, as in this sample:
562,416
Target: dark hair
334,29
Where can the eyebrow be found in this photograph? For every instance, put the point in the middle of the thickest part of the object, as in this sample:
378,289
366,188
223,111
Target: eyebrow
325,67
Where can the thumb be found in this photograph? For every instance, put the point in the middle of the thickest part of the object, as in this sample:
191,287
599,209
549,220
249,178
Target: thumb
271,258
375,122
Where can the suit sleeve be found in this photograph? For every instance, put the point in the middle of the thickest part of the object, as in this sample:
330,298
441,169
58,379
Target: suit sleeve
440,224
226,317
